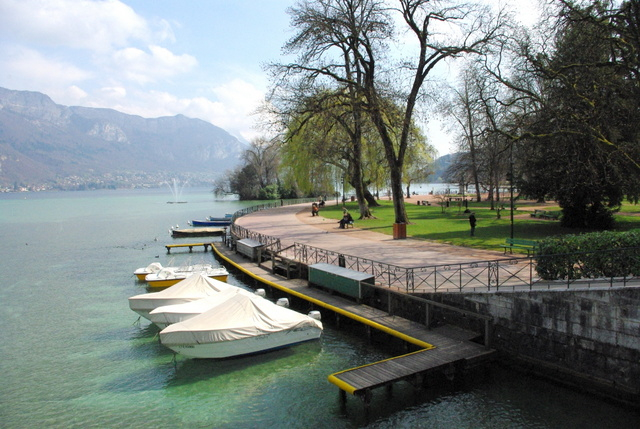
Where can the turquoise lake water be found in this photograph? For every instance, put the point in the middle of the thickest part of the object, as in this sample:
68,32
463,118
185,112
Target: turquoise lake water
73,356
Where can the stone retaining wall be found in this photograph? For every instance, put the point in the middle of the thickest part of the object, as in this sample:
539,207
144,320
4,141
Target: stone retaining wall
587,336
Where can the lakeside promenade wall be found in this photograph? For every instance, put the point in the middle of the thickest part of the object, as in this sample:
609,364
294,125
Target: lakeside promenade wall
589,338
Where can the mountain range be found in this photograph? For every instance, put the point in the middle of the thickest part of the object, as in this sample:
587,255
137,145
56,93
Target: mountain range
46,144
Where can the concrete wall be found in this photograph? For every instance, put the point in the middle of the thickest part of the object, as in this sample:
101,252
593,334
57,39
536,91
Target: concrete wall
585,336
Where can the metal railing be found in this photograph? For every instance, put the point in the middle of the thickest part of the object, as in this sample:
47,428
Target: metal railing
507,274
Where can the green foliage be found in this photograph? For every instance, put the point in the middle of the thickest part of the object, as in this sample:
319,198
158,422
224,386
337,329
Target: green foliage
593,255
269,192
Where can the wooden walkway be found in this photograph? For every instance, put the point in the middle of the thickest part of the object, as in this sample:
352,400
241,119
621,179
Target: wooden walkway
446,349
189,245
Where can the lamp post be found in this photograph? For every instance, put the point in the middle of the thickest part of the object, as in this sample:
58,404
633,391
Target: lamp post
511,185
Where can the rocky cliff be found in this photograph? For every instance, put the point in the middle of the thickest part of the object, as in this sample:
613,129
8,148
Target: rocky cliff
43,142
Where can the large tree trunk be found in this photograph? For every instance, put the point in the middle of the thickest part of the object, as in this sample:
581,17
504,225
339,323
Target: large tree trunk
371,199
398,195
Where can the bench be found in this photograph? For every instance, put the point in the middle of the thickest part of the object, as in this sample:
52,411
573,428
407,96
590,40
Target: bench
519,243
189,245
545,214
348,225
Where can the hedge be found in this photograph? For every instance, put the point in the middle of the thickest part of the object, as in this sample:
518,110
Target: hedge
594,255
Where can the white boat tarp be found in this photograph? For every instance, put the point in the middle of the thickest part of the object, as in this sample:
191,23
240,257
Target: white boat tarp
192,288
242,316
153,267
175,313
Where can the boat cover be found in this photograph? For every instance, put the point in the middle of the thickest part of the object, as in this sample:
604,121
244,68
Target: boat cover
241,316
192,288
153,267
169,314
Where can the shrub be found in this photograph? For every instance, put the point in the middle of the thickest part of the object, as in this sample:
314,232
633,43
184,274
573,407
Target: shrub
594,255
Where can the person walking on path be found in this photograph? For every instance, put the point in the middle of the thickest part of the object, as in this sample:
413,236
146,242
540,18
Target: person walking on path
472,222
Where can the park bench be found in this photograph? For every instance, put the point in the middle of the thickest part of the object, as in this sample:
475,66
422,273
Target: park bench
349,225
551,215
519,243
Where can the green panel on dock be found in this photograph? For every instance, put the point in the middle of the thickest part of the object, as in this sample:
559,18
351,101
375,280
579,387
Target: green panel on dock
339,279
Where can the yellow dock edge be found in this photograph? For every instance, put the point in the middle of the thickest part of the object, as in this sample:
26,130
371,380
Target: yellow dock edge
319,303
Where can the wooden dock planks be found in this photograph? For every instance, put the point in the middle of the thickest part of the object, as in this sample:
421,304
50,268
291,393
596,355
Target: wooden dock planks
189,245
358,380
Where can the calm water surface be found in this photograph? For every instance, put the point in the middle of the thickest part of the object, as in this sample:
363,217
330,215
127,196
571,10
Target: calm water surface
73,356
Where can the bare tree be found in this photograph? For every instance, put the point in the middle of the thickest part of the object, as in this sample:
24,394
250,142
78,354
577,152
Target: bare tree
359,31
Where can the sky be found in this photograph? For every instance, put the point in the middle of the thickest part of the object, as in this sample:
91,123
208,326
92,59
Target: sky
200,58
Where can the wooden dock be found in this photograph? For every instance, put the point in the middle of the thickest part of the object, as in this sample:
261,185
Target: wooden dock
447,349
189,245
450,356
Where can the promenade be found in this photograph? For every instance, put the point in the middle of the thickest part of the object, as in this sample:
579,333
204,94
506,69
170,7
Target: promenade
295,224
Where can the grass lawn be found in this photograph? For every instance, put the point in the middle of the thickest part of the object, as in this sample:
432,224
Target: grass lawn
452,225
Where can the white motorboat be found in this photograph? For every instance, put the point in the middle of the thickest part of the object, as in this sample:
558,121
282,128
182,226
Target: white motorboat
169,276
142,272
194,287
176,313
244,324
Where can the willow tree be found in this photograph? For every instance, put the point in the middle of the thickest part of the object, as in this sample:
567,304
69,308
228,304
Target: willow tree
327,135
346,41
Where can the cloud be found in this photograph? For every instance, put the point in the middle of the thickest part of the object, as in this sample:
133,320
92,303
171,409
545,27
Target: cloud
230,106
28,69
80,24
158,63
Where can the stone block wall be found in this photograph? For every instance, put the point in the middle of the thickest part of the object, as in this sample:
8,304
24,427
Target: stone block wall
593,335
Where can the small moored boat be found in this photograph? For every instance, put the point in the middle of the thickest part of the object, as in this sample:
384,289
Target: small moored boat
176,313
169,276
202,231
192,288
142,272
213,221
244,324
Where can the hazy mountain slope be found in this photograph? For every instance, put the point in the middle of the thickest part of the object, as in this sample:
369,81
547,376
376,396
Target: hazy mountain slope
42,141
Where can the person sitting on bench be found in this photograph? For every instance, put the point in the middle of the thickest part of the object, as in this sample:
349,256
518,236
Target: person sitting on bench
346,220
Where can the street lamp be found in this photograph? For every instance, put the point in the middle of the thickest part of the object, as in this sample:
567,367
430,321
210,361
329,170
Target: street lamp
511,184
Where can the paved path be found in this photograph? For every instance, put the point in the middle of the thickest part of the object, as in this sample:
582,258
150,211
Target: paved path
295,224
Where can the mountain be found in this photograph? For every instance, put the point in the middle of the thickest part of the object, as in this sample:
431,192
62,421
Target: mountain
42,142
440,166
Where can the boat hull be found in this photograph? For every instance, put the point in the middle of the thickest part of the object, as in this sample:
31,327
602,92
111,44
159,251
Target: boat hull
246,346
197,232
143,308
210,222
141,276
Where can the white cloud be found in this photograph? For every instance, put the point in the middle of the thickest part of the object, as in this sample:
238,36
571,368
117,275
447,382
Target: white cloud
97,26
158,63
28,69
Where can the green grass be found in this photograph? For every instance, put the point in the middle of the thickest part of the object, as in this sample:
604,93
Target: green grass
452,226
